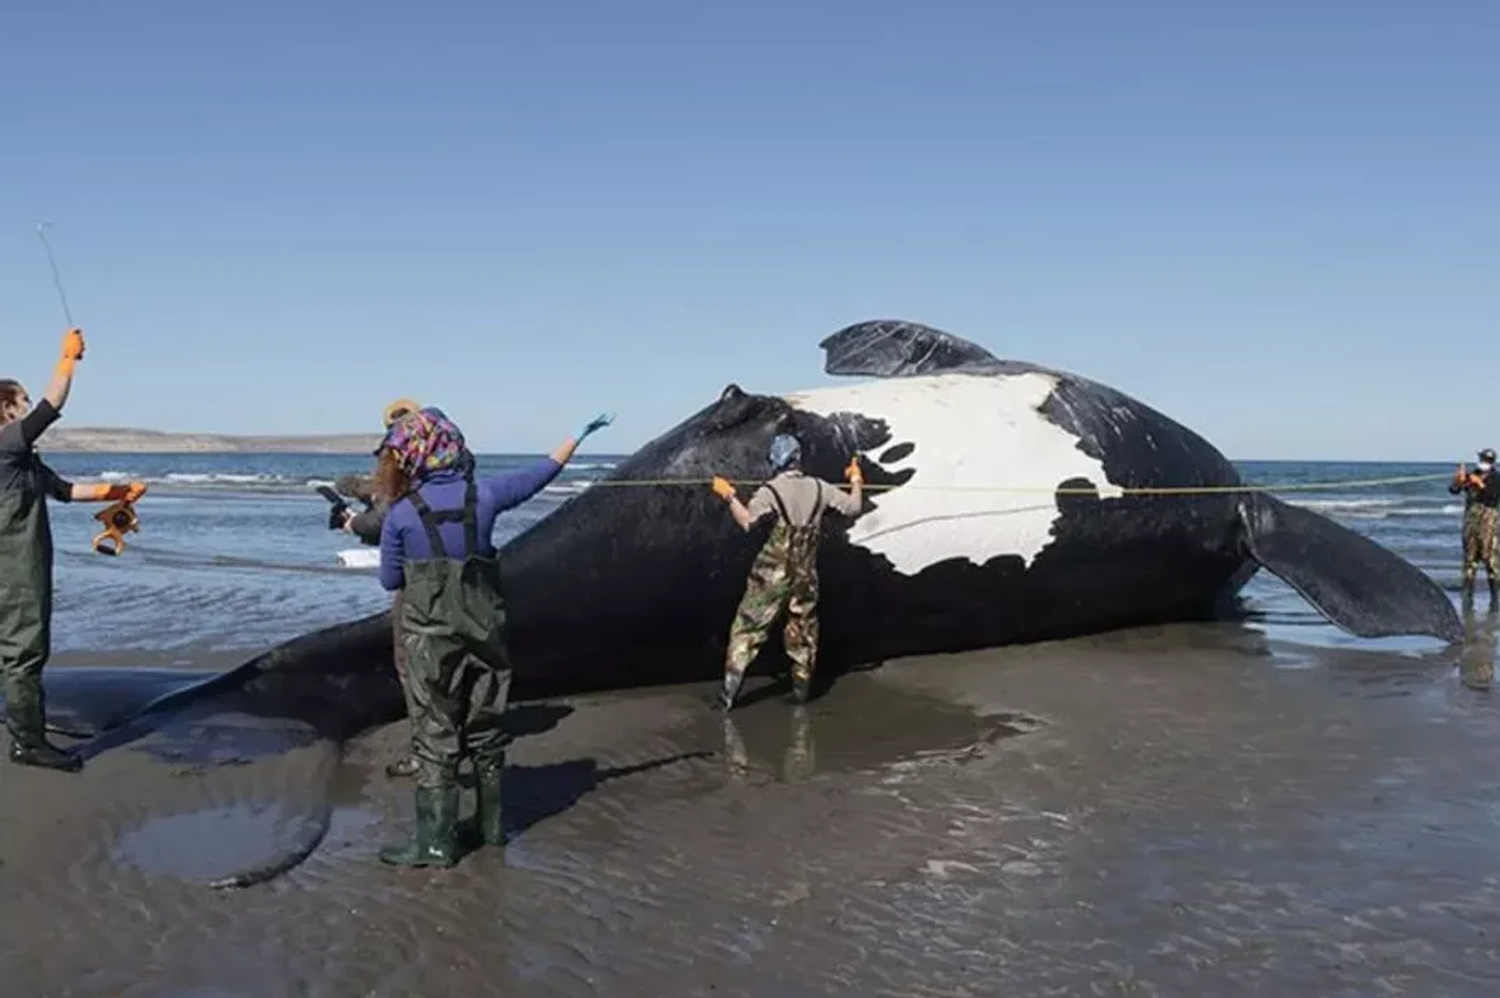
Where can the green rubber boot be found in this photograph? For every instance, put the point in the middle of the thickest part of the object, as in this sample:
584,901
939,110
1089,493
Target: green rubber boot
434,843
26,714
487,792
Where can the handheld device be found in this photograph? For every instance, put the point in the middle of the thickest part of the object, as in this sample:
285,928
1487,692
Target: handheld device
118,519
340,507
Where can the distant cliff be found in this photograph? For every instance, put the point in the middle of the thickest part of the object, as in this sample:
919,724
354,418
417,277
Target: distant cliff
124,440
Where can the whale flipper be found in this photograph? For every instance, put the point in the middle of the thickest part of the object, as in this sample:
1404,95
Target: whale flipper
892,348
1362,587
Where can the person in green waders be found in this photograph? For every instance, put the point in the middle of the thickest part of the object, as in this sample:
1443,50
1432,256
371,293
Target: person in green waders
436,549
26,483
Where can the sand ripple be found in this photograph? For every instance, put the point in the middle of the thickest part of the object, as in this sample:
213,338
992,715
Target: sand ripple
1129,817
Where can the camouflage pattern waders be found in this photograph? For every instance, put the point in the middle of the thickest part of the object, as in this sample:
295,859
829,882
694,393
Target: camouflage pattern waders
1480,522
784,575
26,626
458,678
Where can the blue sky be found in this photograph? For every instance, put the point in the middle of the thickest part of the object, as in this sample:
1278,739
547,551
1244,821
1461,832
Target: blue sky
1277,222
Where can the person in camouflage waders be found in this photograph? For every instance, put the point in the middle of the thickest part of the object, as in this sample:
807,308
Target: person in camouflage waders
1481,491
784,575
436,549
26,483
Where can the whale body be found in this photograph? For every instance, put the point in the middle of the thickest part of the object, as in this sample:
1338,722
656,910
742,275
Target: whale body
1000,509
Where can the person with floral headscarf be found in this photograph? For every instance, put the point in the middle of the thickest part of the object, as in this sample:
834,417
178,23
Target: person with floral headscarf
366,526
436,550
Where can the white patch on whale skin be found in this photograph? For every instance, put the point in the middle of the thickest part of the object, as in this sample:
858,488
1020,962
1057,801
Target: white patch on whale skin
986,461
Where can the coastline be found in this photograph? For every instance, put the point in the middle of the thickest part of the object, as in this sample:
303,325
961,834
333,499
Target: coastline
127,440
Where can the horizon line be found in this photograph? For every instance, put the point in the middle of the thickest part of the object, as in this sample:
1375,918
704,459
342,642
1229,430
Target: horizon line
288,452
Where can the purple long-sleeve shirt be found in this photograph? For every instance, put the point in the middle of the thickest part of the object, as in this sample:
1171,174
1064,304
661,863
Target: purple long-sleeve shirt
402,535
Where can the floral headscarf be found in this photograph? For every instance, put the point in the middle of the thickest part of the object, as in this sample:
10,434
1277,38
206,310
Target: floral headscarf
425,442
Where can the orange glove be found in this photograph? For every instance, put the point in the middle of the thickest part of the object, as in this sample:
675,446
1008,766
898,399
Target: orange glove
72,350
723,488
853,473
104,492
73,345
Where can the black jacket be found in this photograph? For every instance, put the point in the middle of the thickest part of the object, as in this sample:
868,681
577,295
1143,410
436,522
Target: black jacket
1488,494
366,525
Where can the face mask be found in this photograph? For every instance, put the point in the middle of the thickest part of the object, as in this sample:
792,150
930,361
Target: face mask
1484,467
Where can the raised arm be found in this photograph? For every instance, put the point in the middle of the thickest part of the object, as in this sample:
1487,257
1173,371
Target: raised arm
851,502
745,515
62,374
1464,480
564,452
46,412
515,487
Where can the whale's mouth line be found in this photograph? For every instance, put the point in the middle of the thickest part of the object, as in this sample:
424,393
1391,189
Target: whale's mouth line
953,517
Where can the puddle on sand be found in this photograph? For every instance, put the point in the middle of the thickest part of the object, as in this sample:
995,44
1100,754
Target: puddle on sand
862,725
216,842
210,843
353,817
197,744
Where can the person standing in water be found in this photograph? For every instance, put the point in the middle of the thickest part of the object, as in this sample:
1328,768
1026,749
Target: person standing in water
366,526
1481,492
436,550
784,575
26,483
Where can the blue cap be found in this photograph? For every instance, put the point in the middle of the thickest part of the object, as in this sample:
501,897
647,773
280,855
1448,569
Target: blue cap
784,450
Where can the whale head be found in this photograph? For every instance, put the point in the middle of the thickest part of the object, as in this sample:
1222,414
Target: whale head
647,563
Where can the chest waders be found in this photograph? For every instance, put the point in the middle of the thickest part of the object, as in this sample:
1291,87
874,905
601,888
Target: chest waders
458,678
26,622
784,575
404,764
1480,543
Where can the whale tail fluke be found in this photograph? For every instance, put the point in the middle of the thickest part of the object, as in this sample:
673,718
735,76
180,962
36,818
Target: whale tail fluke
1357,584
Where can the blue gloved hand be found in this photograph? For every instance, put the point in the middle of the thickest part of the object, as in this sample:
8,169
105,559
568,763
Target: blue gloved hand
601,420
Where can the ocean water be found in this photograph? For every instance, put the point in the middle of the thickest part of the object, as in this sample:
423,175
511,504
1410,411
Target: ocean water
234,551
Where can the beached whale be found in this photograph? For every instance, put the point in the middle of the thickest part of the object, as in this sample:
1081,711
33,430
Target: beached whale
1002,512
1003,508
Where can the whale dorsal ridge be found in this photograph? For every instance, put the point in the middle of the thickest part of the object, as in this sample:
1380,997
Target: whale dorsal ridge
893,348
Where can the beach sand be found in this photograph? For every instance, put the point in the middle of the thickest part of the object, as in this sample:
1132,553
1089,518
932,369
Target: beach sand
1180,811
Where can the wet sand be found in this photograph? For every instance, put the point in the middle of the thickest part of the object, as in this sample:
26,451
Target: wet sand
1182,811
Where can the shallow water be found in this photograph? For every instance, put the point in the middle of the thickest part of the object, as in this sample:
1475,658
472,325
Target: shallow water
1259,808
